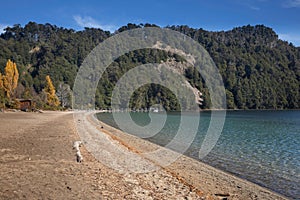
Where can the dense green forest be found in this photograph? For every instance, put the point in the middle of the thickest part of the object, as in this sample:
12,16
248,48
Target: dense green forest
259,70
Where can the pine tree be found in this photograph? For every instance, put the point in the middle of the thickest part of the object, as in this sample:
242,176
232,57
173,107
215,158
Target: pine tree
52,99
10,79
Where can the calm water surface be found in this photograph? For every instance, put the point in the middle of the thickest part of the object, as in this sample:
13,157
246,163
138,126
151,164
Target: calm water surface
260,146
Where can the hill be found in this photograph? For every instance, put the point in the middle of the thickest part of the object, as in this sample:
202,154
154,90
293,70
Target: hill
259,70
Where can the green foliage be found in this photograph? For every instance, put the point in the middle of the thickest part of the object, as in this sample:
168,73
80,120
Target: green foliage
144,97
259,70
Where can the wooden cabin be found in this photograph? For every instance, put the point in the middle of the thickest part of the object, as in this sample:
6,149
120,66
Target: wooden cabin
26,104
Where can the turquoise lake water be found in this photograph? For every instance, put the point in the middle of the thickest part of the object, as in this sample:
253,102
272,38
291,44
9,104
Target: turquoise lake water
260,146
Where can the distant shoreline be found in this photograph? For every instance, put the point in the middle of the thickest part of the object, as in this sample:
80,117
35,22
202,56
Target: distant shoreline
216,180
206,110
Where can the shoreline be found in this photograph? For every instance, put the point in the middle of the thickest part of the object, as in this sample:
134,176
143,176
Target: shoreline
210,110
37,160
222,182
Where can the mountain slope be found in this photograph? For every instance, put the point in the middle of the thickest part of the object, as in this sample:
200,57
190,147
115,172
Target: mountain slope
259,70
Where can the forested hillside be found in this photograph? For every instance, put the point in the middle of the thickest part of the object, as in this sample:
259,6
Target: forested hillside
259,70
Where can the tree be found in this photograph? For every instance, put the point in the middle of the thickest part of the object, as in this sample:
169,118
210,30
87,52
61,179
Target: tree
1,82
52,99
2,96
64,94
259,70
10,79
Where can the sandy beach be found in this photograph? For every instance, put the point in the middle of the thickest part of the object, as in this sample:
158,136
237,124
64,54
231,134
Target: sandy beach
38,161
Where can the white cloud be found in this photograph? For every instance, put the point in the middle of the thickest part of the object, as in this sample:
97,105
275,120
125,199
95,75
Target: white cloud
253,5
292,4
254,8
2,27
295,39
92,23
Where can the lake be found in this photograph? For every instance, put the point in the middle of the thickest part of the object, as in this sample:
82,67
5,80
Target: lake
260,146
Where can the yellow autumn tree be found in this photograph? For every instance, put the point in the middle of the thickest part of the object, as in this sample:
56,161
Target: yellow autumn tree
10,79
2,96
52,99
1,82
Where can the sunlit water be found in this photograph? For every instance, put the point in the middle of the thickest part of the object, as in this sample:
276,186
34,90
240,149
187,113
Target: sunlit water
260,146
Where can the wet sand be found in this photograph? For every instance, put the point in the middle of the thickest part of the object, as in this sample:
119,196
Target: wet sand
37,161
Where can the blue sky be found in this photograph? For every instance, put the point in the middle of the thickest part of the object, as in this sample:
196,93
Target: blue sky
214,15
